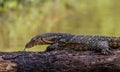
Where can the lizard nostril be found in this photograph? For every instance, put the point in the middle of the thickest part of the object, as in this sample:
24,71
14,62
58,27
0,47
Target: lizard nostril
28,45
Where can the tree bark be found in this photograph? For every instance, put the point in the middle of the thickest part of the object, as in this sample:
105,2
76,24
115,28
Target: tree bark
59,61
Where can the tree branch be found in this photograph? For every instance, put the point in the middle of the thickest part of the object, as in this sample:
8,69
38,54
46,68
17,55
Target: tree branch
60,61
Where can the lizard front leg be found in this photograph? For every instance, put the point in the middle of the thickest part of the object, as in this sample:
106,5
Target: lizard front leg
52,47
55,46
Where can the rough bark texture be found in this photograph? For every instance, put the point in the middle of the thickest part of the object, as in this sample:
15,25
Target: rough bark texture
60,61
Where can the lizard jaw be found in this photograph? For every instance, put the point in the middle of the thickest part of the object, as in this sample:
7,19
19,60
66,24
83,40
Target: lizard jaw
31,43
42,41
46,41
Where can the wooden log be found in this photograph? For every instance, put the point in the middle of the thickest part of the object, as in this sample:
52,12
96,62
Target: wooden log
60,61
7,66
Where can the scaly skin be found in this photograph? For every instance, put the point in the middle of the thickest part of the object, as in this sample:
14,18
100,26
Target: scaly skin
75,42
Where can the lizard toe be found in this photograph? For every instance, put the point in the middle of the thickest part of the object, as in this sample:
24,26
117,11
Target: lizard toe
106,51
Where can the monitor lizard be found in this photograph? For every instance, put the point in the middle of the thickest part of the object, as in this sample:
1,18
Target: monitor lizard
59,41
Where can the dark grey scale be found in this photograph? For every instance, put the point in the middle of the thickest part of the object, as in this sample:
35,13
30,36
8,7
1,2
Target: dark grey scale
79,47
67,37
70,46
90,47
84,47
55,39
49,35
119,43
73,46
114,42
79,39
99,38
82,41
111,39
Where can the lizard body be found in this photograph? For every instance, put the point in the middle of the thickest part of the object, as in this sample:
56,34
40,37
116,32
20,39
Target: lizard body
75,42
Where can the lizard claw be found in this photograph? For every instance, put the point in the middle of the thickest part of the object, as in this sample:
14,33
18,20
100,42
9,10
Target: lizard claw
106,51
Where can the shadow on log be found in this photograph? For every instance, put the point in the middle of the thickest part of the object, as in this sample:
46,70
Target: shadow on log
60,61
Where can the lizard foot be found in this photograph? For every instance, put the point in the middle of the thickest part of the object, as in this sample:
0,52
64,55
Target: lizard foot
52,47
49,48
106,51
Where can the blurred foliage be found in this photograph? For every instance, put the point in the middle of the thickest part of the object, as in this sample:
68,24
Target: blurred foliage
22,19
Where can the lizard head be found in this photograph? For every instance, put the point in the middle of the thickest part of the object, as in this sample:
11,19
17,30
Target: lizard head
44,39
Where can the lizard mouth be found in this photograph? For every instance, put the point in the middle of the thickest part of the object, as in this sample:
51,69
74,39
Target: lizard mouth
45,41
29,45
42,41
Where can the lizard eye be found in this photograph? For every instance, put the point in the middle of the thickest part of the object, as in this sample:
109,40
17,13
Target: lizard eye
33,39
39,39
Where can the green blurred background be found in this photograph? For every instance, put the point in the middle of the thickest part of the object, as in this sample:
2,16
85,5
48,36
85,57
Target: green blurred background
20,20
